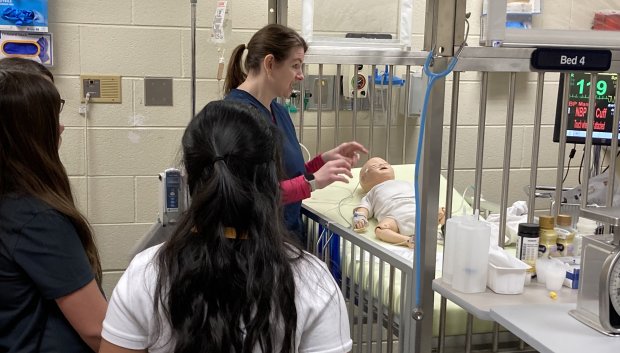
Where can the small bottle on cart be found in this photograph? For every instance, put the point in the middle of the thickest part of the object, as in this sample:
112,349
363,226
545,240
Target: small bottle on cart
527,246
548,237
566,235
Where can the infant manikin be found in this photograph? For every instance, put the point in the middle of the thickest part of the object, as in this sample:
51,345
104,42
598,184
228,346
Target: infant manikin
390,201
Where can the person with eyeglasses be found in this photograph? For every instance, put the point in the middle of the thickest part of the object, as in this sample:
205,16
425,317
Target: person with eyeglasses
50,270
33,67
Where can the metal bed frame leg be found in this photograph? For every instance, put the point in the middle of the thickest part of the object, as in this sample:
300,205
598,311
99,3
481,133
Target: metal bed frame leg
352,286
441,344
360,302
468,334
371,304
495,337
380,310
390,328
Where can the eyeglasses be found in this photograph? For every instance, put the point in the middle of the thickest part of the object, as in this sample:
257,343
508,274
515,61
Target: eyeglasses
62,104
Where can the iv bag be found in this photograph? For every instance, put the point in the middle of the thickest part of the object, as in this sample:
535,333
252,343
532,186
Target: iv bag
222,24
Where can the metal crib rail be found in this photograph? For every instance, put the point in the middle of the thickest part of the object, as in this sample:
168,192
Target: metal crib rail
371,306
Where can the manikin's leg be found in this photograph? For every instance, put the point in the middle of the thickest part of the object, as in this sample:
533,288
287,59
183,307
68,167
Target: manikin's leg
387,230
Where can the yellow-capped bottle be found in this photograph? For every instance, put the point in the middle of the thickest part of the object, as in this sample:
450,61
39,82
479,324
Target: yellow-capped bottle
547,245
566,235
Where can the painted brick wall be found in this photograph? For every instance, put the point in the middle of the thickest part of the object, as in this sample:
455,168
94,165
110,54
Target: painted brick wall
128,144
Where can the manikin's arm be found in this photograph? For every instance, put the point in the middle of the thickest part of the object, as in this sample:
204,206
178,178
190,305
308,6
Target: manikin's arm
360,218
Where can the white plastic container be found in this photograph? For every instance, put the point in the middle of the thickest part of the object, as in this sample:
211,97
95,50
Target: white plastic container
450,247
471,256
507,280
584,227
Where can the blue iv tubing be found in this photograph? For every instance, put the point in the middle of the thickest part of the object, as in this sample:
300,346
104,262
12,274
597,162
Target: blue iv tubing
432,77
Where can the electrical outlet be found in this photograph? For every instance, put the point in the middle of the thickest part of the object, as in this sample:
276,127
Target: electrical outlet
102,89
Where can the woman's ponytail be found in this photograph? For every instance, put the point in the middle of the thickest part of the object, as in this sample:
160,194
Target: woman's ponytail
235,74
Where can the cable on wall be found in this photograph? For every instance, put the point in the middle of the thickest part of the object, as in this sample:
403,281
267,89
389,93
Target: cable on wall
84,111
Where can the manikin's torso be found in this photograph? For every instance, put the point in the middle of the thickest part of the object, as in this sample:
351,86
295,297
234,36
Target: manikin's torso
391,198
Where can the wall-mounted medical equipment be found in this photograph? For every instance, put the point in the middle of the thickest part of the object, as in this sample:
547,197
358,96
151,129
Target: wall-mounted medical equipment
324,88
101,88
294,102
382,80
173,202
34,46
173,199
24,15
579,90
356,79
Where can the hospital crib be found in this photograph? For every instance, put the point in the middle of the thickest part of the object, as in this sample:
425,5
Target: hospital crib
376,283
351,256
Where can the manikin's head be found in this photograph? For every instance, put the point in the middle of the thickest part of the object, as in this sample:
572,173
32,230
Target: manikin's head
374,172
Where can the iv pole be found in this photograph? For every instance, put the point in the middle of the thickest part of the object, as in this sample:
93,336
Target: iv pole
193,44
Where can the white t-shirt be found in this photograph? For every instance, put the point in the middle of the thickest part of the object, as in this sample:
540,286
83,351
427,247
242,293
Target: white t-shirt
322,321
392,199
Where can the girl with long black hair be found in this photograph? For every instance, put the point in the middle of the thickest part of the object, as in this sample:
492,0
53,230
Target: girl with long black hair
229,279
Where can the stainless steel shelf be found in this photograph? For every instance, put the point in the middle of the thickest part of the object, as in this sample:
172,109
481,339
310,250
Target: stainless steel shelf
364,56
507,60
483,59
602,214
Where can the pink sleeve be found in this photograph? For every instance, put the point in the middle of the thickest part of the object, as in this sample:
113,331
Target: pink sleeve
315,164
294,190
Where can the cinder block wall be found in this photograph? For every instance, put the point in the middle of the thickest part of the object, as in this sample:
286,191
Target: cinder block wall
128,144
114,158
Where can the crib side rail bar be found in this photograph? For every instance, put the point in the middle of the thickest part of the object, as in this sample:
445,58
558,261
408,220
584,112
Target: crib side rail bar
360,242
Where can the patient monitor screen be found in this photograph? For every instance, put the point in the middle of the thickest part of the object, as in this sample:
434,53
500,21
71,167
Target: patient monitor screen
579,89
